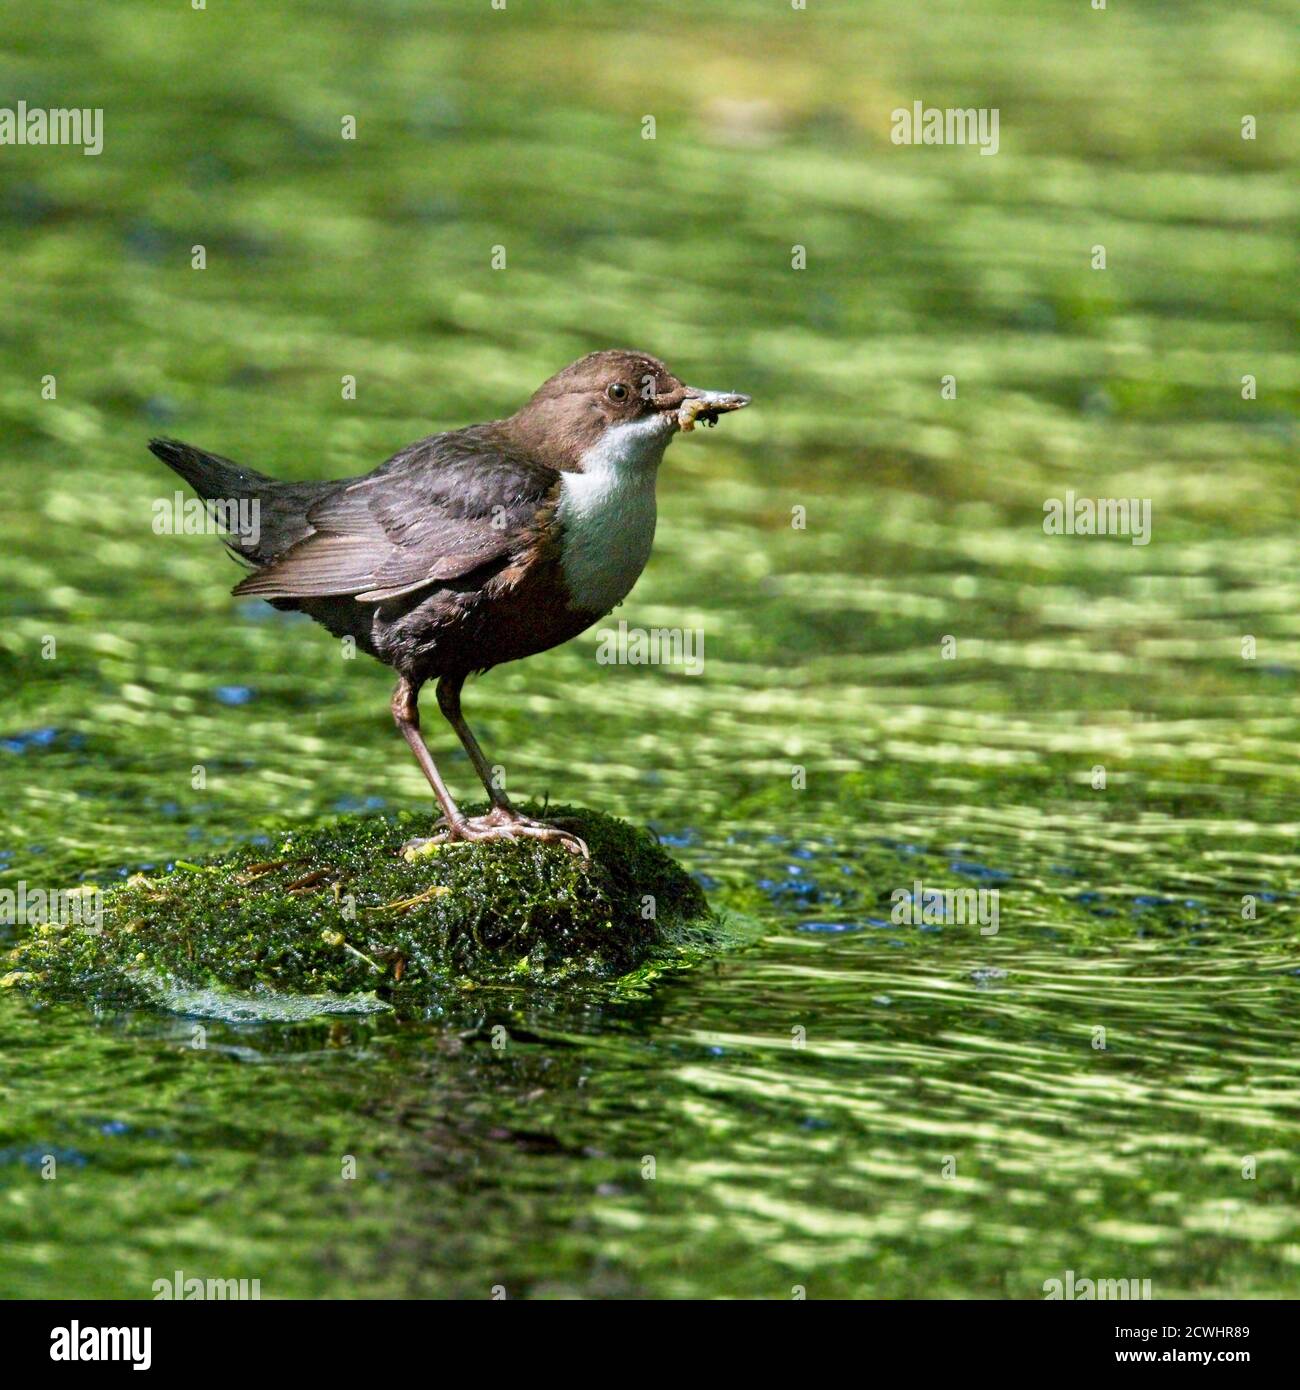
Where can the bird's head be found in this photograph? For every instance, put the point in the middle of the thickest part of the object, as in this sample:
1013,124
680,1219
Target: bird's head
617,404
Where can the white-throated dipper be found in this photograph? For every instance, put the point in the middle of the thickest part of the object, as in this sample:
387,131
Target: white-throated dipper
474,547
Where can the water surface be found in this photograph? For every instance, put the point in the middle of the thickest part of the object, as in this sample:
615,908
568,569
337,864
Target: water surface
905,680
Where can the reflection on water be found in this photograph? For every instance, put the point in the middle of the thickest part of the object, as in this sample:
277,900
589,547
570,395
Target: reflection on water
917,686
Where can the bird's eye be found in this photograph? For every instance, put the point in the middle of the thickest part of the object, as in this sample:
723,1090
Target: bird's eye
617,391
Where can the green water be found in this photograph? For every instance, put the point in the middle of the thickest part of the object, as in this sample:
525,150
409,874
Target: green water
850,1105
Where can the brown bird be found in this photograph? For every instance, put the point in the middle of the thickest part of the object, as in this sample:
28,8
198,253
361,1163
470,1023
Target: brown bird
470,548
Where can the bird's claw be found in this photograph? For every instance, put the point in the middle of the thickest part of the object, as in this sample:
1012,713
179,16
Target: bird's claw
498,824
482,829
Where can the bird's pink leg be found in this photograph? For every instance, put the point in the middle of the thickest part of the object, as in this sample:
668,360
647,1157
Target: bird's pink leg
502,821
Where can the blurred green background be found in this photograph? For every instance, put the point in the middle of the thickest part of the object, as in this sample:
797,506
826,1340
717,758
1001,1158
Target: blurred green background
821,1166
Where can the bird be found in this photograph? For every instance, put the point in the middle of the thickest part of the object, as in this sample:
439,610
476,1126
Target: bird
469,548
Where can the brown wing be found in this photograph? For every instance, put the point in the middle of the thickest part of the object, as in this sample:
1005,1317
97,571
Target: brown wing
437,511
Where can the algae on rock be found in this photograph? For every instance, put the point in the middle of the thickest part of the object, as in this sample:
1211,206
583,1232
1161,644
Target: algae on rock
338,910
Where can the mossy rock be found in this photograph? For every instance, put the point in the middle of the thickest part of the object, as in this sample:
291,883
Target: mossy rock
339,914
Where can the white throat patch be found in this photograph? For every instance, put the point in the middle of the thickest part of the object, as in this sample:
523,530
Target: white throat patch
607,513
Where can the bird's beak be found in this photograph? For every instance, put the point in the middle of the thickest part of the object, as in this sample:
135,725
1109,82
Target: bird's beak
707,406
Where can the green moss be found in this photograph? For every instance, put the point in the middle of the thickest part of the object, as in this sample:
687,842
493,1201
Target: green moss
338,910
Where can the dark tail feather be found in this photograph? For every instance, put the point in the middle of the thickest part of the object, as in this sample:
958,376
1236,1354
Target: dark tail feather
211,476
277,515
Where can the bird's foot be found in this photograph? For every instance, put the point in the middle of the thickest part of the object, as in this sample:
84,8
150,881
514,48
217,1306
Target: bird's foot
507,818
500,823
